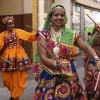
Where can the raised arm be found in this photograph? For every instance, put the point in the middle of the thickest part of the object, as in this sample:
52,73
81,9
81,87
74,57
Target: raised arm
95,36
27,36
85,47
89,50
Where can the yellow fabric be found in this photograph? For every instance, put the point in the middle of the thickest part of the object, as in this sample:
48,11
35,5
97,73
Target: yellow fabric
16,51
1,40
27,36
15,82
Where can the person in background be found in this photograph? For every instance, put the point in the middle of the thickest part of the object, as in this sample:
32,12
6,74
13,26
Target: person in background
91,70
14,61
88,36
57,77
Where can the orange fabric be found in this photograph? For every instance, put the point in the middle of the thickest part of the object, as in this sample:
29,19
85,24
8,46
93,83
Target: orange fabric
27,36
15,82
13,50
74,50
16,51
1,40
74,53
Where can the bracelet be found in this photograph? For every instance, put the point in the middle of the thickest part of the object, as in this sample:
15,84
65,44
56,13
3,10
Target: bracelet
55,64
96,58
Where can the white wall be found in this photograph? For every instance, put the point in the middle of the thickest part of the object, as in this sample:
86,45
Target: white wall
40,14
67,6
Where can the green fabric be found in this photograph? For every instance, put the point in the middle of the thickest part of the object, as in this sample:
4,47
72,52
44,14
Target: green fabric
89,29
66,38
37,58
91,40
47,21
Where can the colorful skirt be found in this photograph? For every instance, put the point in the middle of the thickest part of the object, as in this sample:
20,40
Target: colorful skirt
90,79
57,87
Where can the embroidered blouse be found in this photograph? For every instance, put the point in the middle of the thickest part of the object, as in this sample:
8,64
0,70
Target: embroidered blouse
65,55
14,56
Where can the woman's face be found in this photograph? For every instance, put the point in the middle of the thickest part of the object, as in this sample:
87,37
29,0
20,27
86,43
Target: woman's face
57,17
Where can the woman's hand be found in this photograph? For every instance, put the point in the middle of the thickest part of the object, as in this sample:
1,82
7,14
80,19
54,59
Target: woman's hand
59,65
97,27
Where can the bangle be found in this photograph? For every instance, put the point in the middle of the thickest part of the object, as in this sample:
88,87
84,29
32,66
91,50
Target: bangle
55,64
96,58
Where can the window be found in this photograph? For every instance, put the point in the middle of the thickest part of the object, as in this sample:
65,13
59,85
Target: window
95,15
76,18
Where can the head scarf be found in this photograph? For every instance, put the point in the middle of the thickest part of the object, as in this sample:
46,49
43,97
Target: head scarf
8,19
47,21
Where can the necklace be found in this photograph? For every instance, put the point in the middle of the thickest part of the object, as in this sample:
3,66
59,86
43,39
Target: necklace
57,38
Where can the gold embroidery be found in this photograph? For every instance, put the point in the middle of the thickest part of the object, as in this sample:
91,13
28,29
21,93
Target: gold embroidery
66,69
37,95
47,83
96,75
89,75
92,67
73,78
49,95
62,90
